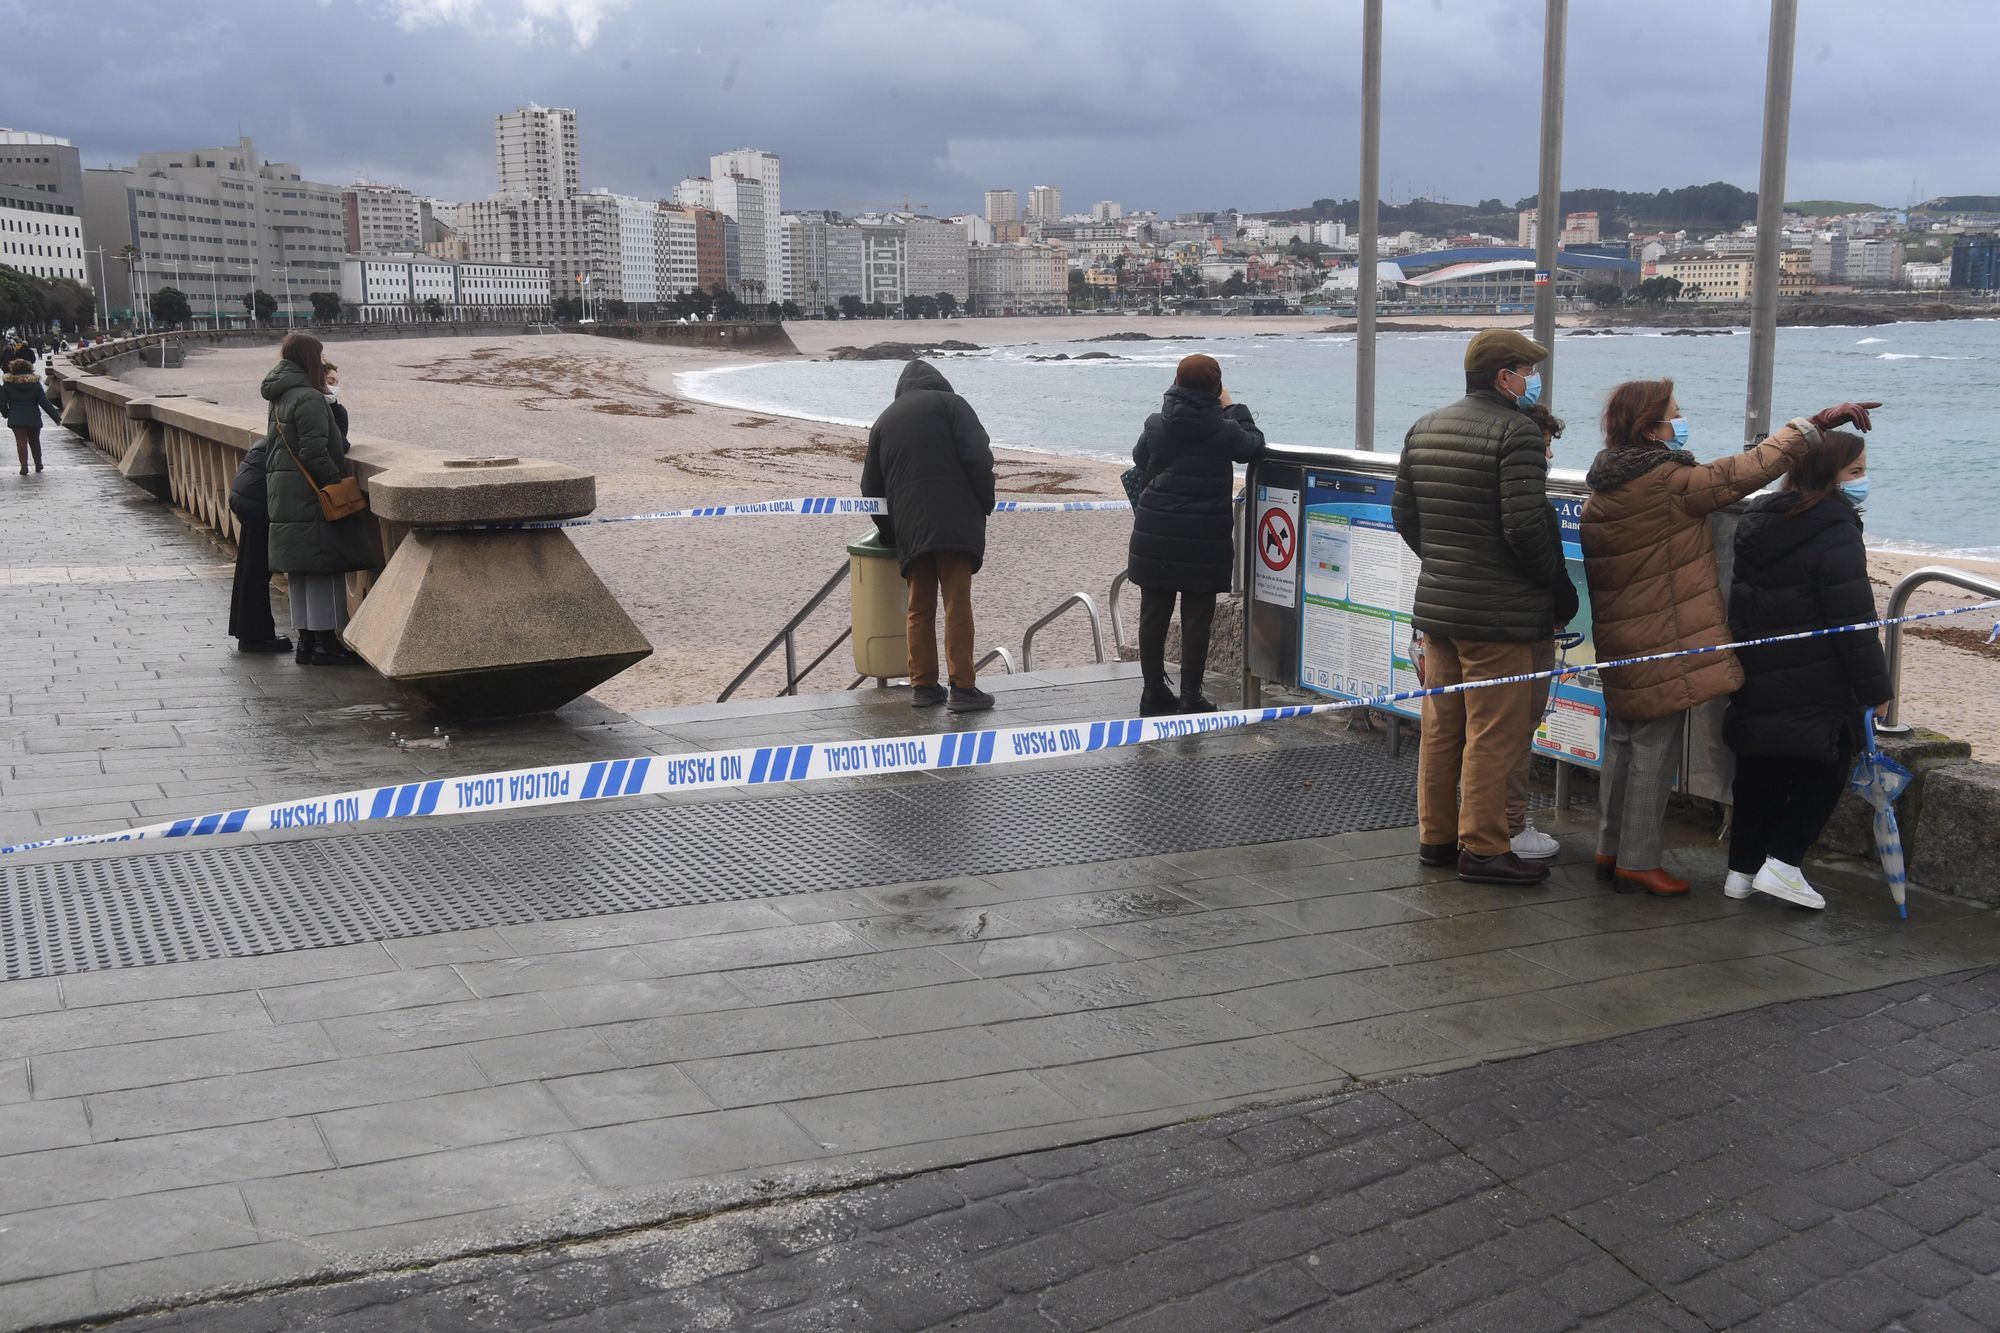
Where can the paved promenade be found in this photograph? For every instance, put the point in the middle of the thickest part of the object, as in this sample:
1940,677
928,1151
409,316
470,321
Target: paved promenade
1827,1164
674,1007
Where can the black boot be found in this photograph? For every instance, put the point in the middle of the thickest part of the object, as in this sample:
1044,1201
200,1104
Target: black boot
328,650
304,653
1158,700
37,447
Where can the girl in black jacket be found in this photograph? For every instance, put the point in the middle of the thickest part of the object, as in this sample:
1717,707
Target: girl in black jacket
1796,723
1181,525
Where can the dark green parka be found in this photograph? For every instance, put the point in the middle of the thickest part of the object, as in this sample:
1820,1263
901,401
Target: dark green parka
24,398
301,541
1472,501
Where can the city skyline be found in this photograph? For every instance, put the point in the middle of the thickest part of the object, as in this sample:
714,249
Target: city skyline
657,87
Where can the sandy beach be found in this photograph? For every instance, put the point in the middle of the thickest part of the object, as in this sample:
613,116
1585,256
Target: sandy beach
709,594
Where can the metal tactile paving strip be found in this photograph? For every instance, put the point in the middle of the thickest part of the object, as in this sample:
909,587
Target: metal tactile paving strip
76,916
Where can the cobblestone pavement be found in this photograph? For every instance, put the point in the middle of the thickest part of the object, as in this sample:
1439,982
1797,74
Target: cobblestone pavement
1820,1164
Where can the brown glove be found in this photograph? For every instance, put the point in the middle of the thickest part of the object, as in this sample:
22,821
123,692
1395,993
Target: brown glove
1832,417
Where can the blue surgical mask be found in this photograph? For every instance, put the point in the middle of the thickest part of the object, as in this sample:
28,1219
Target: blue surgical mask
1531,390
1856,491
1680,425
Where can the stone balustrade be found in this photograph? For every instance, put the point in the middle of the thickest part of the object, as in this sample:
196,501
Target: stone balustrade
480,622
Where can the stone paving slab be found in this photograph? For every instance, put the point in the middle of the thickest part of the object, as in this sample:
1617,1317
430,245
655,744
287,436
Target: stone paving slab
1824,1164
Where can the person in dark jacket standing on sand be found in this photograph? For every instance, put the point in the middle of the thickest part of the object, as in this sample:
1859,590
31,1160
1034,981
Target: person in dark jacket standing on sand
931,459
1181,525
1796,722
1472,501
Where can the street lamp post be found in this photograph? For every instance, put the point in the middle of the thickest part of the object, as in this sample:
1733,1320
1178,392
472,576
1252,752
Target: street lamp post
103,281
214,300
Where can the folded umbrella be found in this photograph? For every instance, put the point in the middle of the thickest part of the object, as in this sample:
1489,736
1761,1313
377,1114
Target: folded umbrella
1879,780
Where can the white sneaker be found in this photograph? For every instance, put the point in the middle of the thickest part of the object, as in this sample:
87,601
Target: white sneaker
1786,882
1738,885
1531,844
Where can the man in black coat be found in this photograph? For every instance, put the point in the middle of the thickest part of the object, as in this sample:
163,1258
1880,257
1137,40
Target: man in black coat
931,459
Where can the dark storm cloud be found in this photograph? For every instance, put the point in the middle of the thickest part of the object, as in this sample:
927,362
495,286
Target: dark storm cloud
1156,103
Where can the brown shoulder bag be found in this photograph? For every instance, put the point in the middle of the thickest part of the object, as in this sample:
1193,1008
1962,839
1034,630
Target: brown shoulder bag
337,501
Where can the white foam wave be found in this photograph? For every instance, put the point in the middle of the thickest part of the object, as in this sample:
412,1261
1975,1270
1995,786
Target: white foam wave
1920,356
1865,341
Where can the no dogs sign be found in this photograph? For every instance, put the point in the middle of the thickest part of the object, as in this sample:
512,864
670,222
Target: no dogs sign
1276,540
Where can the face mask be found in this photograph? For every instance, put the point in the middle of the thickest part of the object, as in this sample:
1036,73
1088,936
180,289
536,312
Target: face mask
332,394
1856,491
1531,390
1680,425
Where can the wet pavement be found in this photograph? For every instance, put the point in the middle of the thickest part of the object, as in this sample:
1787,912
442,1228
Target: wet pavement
275,1113
1826,1164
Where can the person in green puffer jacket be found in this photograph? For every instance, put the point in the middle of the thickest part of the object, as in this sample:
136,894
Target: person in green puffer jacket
1471,500
314,555
25,400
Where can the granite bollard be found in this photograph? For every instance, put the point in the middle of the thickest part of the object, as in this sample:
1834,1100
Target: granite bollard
486,623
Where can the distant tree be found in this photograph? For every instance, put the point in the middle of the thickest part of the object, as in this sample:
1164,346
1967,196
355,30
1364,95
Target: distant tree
617,309
832,311
565,310
260,305
775,311
1492,206
1603,293
971,305
726,304
910,307
433,309
1694,291
851,307
1655,292
170,307
790,310
28,302
947,304
878,310
326,306
1235,285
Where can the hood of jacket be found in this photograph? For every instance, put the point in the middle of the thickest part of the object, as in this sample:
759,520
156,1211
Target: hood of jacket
1189,412
22,379
1623,464
281,379
921,375
1771,528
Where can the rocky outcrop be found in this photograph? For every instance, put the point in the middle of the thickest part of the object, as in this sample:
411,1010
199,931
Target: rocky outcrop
900,351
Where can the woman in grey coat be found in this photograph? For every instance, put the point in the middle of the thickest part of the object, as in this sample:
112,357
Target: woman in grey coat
314,555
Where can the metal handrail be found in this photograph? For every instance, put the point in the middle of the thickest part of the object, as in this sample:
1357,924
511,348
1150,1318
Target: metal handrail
1118,583
1892,640
1006,659
1089,605
785,638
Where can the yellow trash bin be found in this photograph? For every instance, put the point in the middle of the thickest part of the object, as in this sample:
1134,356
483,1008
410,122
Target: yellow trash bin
880,603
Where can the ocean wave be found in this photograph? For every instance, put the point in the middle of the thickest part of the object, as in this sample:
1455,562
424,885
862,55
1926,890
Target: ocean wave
1921,356
1865,341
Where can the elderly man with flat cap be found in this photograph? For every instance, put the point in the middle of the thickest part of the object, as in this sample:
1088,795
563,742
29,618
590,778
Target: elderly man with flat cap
1472,501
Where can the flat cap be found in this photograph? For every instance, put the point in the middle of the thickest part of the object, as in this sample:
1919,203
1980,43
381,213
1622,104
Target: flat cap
1496,349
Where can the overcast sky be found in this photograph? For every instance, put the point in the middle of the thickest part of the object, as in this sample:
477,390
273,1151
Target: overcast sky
1164,104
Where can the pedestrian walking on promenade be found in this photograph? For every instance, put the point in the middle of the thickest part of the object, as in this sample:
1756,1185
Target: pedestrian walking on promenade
1181,526
931,459
1471,500
25,401
1796,722
1528,842
1650,561
307,448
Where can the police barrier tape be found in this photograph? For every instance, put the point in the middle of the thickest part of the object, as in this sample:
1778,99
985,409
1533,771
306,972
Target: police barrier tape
801,507
644,775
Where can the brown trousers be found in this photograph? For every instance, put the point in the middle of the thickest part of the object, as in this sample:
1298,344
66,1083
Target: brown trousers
929,575
1543,657
1470,743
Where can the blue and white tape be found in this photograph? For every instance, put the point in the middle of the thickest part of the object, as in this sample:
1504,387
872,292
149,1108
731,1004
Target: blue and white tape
644,775
811,506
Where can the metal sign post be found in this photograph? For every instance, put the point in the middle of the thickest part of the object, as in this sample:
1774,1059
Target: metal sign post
1766,275
1371,189
1548,193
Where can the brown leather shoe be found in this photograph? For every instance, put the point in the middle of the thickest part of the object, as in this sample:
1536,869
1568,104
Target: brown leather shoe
1655,881
1437,853
1607,868
1506,868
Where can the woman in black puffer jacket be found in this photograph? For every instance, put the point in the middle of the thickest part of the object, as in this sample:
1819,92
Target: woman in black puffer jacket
1796,722
1181,525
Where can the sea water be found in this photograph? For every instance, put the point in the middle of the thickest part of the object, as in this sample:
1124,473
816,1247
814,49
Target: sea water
1935,464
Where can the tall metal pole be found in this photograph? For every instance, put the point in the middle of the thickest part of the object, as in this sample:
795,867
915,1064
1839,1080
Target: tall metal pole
1765,277
1371,191
1548,193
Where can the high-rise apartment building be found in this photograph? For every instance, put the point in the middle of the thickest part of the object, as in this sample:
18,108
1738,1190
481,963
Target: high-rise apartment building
534,152
935,252
1106,210
639,224
695,192
1002,206
576,238
41,207
219,223
762,237
1045,204
1025,278
381,219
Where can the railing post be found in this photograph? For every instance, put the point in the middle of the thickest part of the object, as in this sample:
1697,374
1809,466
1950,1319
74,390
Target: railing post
1765,275
1548,199
1371,188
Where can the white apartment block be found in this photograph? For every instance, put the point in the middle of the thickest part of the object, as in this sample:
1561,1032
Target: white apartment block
534,151
1045,204
884,255
695,192
381,219
399,289
1002,206
742,200
676,252
978,231
1332,234
1023,278
936,258
1106,210
41,236
1720,276
639,223
762,253
218,223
